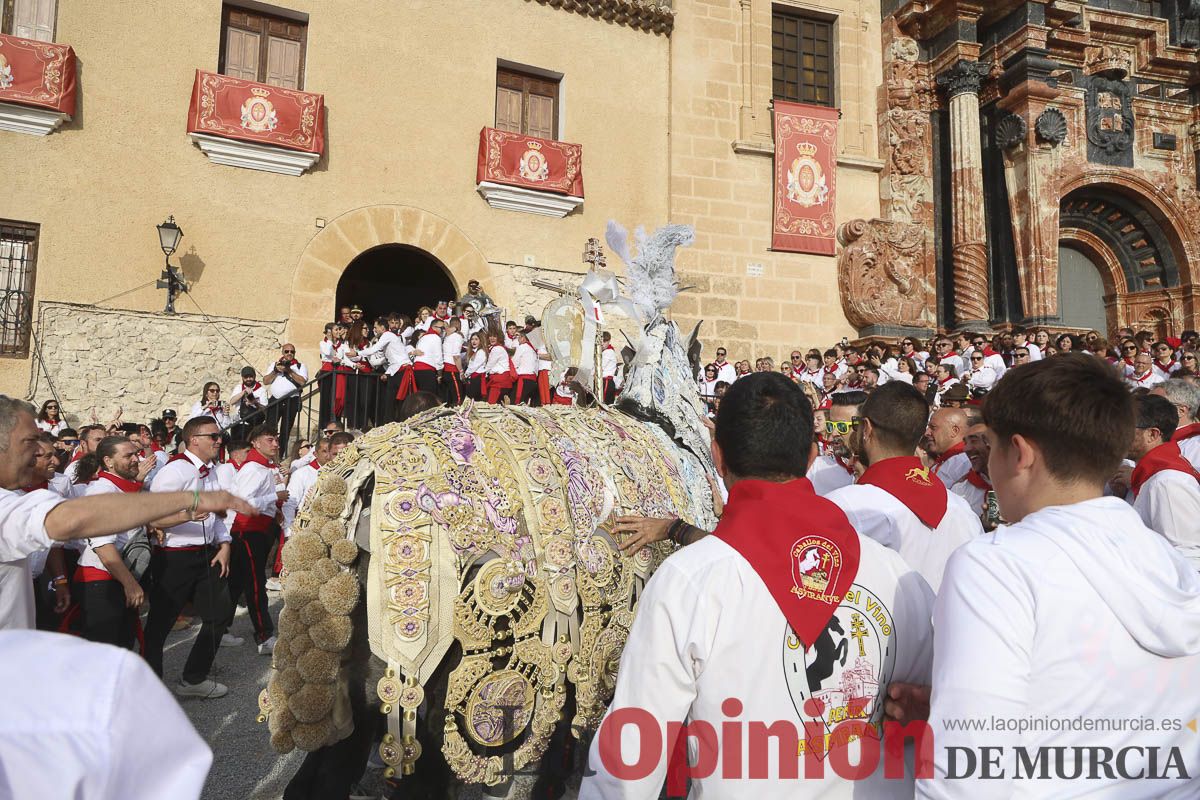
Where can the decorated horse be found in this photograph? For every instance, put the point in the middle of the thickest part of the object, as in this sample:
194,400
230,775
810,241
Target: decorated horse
470,551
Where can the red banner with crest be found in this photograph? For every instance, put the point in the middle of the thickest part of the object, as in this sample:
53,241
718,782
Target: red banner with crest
38,74
805,178
532,163
235,108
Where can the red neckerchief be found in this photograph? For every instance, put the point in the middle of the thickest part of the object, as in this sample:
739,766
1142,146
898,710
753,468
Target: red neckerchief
1139,378
977,480
33,487
946,456
832,370
1167,368
155,448
609,347
78,454
1129,361
905,479
801,545
252,389
1165,456
945,380
843,464
257,458
1186,432
314,464
443,319
812,372
951,353
124,484
988,351
183,457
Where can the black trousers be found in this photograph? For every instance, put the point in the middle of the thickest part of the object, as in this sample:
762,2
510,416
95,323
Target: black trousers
248,575
474,388
327,387
181,577
452,388
610,391
427,380
526,391
103,615
282,417
389,405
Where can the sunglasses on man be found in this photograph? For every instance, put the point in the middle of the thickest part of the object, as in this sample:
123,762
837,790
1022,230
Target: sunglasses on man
329,431
839,427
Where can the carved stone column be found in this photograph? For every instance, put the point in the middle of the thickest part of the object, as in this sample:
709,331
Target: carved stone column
969,232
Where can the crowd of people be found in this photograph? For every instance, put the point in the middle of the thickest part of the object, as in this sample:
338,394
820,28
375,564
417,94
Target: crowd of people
912,453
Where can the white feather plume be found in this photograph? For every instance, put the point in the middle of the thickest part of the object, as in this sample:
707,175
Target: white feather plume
651,275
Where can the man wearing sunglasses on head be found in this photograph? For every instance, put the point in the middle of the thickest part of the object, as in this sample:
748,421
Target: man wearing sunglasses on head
896,500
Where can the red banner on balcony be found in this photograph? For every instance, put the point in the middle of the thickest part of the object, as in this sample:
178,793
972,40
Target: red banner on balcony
530,162
38,74
805,178
235,108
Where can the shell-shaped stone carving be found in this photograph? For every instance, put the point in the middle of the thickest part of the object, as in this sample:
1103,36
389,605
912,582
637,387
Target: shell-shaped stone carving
1010,131
1051,126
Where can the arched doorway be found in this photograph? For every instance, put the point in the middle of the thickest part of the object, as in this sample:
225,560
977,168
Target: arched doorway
1080,291
393,277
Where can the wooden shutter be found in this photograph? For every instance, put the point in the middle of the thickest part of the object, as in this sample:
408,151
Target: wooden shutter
263,48
34,19
241,54
509,105
526,104
283,63
802,58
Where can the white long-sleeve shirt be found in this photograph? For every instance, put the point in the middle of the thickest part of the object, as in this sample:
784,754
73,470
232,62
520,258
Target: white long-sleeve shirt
707,629
497,361
880,515
300,483
183,475
452,347
1169,504
91,722
22,534
430,346
88,557
393,348
477,364
525,360
255,483
1077,613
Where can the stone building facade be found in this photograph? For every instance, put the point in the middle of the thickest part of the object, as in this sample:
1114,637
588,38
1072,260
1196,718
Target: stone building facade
1041,169
670,101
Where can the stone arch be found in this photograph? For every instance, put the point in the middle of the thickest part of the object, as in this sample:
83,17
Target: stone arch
1154,201
344,238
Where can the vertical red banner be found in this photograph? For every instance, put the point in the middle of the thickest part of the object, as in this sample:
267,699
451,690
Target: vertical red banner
805,178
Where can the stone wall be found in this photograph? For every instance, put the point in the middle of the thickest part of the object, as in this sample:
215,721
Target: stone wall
102,359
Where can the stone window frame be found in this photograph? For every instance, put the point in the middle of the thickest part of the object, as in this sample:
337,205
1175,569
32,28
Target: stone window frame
268,22
18,274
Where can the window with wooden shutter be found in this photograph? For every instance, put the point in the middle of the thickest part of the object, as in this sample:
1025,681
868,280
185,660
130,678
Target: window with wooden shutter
18,261
261,47
31,19
802,58
526,104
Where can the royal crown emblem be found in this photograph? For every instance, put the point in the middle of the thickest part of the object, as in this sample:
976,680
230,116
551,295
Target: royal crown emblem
258,114
533,164
806,185
919,476
6,76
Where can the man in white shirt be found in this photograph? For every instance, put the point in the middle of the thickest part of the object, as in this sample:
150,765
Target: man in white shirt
812,373
89,440
610,369
191,564
91,722
944,443
256,483
301,481
246,402
525,362
428,358
108,593
975,484
836,468
725,370
1185,397
34,521
895,501
1165,486
1021,339
1143,375
784,618
283,381
1073,611
452,355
